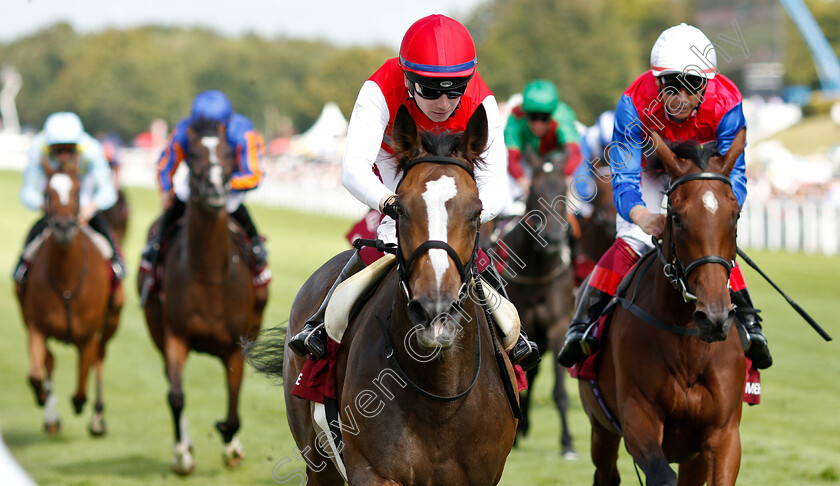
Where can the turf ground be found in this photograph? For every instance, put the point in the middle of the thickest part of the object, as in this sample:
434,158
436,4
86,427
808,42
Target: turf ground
793,437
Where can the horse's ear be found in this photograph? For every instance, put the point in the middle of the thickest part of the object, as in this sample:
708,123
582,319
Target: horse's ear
675,166
735,151
406,139
474,140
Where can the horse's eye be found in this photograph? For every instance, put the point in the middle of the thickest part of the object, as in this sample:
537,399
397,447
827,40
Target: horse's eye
675,218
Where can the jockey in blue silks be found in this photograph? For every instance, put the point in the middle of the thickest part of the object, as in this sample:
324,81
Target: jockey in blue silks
248,148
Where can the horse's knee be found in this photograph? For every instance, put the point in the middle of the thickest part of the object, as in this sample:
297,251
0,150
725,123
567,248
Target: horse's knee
659,473
78,403
228,429
176,402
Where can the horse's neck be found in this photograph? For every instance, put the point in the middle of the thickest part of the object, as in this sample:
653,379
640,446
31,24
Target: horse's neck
207,242
64,263
451,371
534,262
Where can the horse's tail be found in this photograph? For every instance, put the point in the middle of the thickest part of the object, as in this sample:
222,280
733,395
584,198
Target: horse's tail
265,352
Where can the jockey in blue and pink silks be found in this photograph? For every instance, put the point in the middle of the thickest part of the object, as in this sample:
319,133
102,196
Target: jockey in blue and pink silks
248,148
63,144
435,78
682,98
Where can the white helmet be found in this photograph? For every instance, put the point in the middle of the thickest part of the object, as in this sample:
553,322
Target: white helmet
63,128
683,48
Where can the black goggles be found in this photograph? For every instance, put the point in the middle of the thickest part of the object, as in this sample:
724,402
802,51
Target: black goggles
691,83
434,88
62,149
541,117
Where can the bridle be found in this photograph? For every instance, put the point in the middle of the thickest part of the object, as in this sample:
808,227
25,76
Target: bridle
674,270
404,266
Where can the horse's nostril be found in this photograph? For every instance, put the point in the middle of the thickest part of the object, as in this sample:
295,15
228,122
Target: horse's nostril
417,313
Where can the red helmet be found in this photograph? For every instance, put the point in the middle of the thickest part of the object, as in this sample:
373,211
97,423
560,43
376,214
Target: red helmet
438,47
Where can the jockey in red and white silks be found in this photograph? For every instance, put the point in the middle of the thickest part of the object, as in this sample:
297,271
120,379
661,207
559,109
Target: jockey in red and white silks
368,142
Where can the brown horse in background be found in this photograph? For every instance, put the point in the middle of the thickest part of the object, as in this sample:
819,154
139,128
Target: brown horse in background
117,217
443,416
208,302
539,278
68,296
673,380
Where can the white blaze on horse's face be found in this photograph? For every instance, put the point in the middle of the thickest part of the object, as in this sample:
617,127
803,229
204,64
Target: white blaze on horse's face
62,184
436,195
216,170
710,202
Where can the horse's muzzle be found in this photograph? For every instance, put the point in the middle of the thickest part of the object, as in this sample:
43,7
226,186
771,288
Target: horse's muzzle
64,230
437,323
714,325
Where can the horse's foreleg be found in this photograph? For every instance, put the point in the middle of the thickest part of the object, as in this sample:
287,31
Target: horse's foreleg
722,454
37,362
605,455
87,357
175,354
643,438
232,451
692,473
561,398
97,422
112,317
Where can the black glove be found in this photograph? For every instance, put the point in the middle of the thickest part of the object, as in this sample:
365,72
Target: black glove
391,207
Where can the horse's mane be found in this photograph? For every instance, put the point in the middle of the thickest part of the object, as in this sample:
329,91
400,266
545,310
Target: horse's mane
442,145
699,153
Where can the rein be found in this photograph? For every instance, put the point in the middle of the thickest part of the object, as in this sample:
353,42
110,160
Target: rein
67,295
385,325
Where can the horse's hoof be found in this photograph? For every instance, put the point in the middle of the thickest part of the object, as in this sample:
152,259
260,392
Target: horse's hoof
182,459
569,453
233,453
52,428
97,425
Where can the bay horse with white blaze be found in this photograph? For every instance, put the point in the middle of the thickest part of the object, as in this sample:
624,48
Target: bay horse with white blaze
68,296
207,301
671,370
440,418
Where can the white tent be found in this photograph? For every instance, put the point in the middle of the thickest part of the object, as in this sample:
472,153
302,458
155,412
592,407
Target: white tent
325,138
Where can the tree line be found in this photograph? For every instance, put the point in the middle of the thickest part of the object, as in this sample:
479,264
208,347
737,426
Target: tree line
120,80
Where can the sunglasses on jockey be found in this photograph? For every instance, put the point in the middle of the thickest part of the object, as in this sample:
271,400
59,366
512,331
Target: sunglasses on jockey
693,84
433,88
538,117
63,148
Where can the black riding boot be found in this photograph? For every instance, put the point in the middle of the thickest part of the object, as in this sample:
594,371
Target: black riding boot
524,352
169,218
313,337
98,223
579,344
747,315
22,265
259,251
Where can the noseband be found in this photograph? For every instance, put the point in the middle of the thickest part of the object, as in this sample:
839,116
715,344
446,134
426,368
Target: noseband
676,272
404,266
